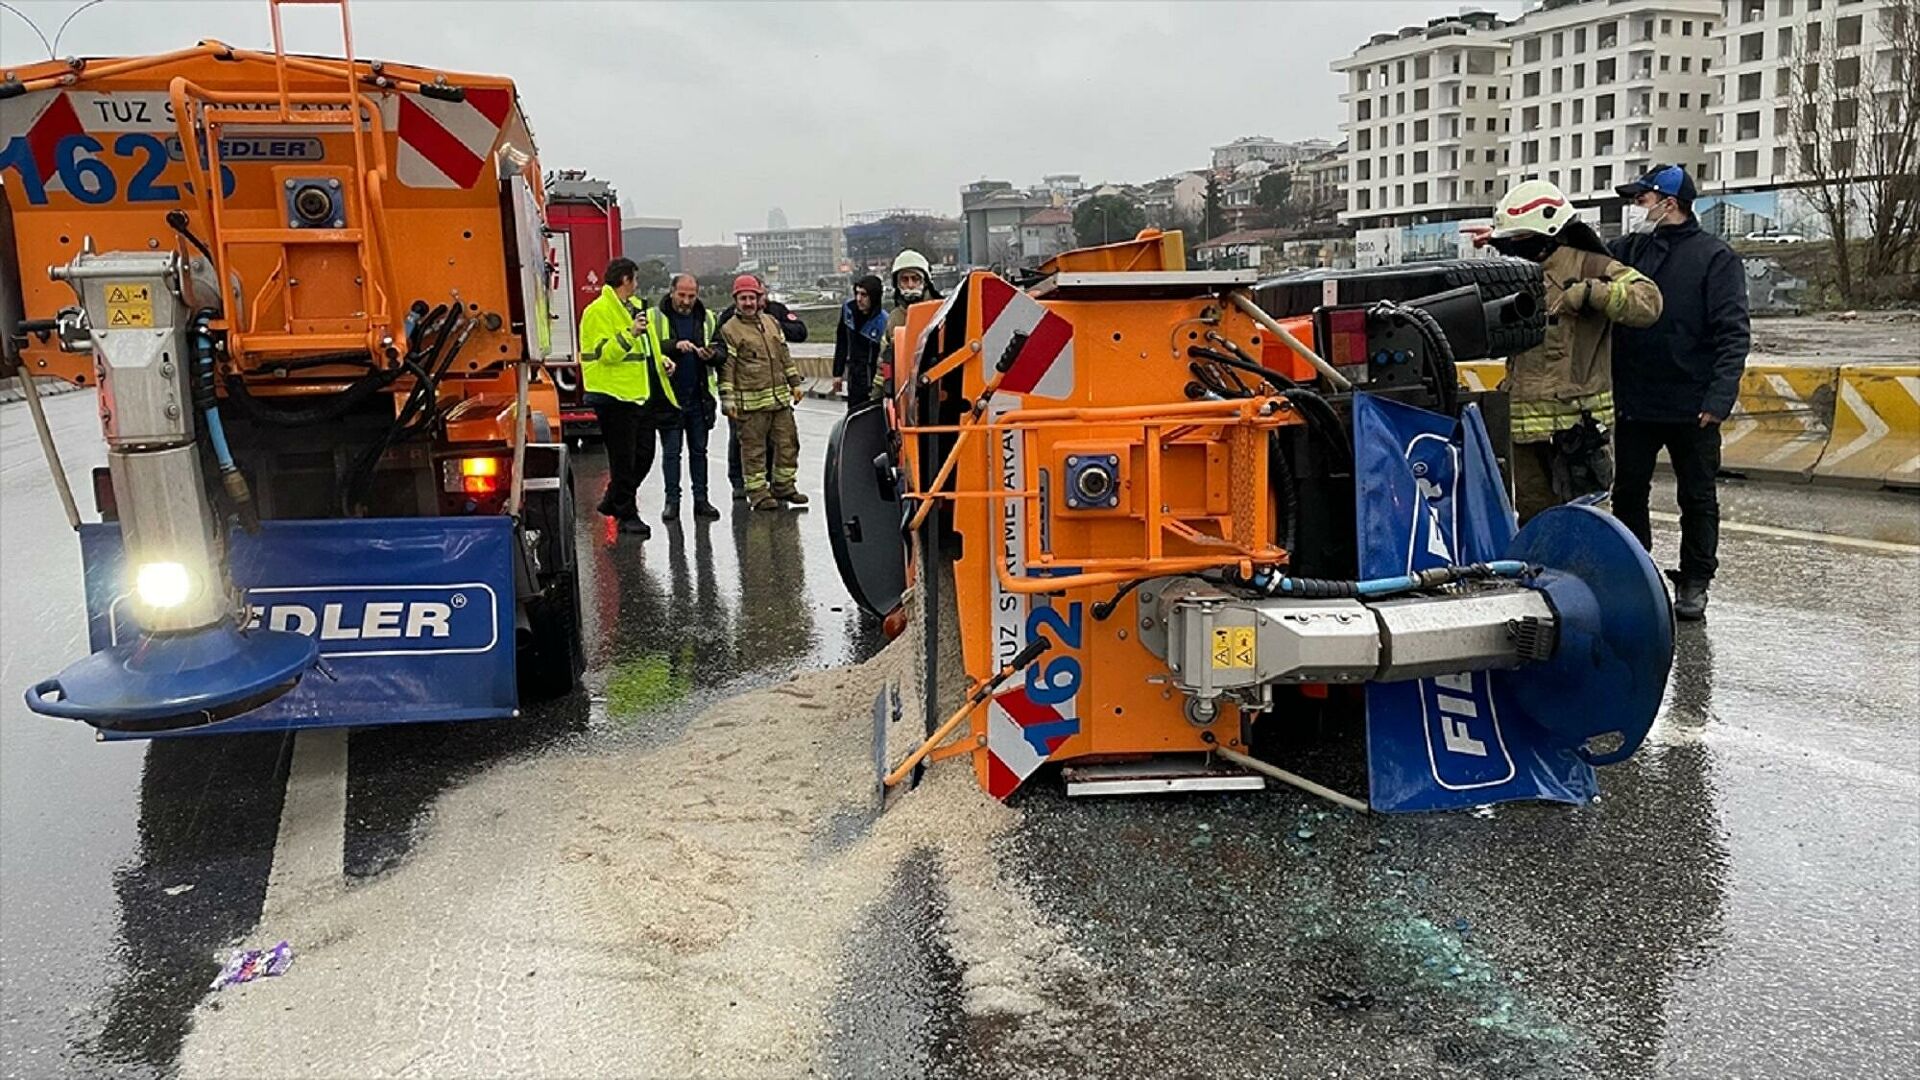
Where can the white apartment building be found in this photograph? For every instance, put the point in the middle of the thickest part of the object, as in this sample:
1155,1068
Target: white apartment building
790,257
1849,42
1598,91
1424,121
1249,148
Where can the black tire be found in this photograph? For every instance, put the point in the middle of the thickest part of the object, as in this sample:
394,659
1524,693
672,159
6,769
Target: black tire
1496,278
553,657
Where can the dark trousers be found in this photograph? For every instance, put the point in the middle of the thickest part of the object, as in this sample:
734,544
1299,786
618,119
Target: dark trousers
859,385
1695,453
735,474
688,438
627,429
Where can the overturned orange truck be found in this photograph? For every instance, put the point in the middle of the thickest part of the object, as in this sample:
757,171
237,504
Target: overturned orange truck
312,293
1188,517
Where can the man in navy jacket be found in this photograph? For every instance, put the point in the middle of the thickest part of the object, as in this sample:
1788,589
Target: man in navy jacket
1674,382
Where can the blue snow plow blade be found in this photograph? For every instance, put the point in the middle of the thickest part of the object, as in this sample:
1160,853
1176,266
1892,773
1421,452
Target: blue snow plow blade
168,682
413,618
1430,494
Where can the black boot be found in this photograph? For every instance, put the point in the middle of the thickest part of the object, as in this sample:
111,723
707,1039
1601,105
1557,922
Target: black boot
1690,598
636,527
671,513
705,510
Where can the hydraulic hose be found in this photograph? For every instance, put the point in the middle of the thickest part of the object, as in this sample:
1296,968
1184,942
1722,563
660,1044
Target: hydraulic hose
201,351
1324,589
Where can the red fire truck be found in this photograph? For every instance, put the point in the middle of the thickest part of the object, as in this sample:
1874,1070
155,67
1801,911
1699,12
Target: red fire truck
583,217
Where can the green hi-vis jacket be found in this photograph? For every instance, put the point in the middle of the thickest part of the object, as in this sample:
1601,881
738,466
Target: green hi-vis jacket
614,360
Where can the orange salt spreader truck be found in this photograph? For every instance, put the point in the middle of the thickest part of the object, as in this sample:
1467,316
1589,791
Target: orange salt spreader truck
1187,517
313,295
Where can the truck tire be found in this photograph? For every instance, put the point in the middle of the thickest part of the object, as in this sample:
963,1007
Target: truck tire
553,657
1496,278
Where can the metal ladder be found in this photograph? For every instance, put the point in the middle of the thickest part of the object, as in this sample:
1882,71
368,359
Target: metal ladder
202,114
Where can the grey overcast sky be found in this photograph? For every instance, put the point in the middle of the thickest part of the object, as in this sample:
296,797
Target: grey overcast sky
714,113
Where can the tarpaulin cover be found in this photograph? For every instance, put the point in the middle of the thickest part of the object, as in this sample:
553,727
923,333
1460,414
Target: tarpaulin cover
415,616
1430,494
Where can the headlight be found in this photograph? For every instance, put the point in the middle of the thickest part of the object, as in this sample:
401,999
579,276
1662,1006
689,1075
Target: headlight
162,584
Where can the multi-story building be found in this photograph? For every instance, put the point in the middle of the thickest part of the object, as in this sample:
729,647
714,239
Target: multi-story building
1424,121
1820,58
792,257
991,212
1181,197
1598,91
1320,185
651,239
1249,148
873,243
1044,234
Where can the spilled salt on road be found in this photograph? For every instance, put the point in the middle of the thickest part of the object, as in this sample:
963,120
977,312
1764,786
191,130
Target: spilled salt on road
683,910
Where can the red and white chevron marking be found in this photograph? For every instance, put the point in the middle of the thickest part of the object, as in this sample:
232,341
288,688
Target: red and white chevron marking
1045,365
446,144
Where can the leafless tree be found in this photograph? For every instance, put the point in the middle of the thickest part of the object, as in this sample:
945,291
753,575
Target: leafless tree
1854,121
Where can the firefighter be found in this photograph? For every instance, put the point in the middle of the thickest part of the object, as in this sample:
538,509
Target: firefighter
858,340
629,384
1561,391
912,283
685,330
758,386
795,332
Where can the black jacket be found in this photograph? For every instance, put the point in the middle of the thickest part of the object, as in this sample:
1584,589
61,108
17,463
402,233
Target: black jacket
1689,362
689,371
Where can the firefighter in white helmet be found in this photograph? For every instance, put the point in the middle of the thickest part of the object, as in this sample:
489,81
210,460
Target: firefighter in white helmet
1561,391
912,283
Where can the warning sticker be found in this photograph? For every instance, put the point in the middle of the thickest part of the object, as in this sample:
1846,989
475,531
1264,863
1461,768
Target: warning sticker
129,305
1233,647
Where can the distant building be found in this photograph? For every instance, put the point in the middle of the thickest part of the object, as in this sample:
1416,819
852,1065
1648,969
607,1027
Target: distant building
1251,148
1044,234
1066,185
871,245
1181,197
776,219
651,238
991,212
1320,185
703,260
795,257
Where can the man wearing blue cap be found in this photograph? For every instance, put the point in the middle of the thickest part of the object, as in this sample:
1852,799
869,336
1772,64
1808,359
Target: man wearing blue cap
1675,381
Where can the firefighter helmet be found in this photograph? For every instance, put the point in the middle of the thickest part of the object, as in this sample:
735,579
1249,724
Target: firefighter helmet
1532,206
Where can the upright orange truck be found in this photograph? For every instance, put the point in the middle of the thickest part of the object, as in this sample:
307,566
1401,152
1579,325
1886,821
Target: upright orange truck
313,295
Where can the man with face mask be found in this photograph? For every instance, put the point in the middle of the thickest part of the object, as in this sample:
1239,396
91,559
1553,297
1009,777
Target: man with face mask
1675,381
1561,391
912,283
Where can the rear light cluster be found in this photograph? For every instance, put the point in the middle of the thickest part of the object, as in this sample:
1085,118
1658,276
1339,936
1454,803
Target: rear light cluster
473,475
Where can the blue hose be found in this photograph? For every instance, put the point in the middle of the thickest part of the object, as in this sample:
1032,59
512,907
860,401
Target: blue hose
218,436
1423,579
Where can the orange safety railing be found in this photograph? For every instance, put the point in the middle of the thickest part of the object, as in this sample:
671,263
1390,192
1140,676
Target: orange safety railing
201,113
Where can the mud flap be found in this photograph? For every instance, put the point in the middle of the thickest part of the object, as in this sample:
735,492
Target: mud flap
1431,494
864,510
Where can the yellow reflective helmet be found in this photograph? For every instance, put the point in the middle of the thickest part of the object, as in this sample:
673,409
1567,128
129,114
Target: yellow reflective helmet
1532,206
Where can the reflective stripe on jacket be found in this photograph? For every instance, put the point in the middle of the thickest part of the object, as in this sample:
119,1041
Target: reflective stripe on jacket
614,360
1570,374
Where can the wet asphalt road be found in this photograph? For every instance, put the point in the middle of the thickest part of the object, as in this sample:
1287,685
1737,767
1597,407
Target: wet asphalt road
1744,899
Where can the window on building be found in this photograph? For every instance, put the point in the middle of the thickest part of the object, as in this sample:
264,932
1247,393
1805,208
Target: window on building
1663,99
1780,123
1469,155
1779,160
1420,100
1605,71
1842,155
1399,134
1579,111
1603,144
1579,41
1683,136
1559,46
1553,177
1814,5
1421,68
1809,78
1556,114
1472,92
1847,31
1660,136
1400,71
1530,152
1703,136
1666,64
1603,107
1400,103
1785,9
1366,170
1553,148
1419,194
1530,50
1580,76
1530,85
1557,87
1420,131
1363,110
1399,194
1684,98
1753,47
1706,101
1686,64
1530,118
1399,164
1753,10
1746,164
1686,28
1846,71
1573,180
1813,37
1846,113
1747,126
1363,200
1363,141
1785,44
1577,140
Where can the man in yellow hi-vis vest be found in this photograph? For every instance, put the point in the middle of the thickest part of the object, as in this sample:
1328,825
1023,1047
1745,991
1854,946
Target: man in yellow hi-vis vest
628,381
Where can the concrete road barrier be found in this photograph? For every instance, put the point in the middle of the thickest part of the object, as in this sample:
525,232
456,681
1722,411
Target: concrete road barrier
1781,421
1854,423
1876,426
